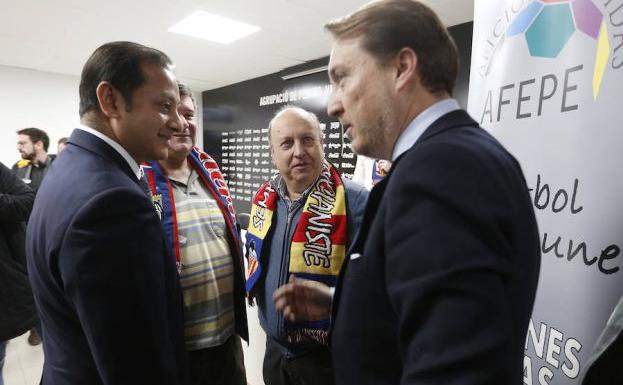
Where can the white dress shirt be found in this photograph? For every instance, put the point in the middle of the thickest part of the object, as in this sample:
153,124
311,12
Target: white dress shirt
416,128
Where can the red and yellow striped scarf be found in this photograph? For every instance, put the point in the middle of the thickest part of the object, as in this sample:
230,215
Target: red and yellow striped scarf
318,247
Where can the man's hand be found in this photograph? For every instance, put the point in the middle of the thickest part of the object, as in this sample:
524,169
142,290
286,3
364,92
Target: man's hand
303,300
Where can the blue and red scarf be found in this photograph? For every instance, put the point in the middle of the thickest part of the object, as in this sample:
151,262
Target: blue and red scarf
163,199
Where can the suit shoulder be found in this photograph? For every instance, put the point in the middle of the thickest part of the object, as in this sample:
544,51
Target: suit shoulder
472,145
111,212
122,200
468,160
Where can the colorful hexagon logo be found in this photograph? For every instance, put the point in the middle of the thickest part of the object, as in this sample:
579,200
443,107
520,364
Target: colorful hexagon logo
547,26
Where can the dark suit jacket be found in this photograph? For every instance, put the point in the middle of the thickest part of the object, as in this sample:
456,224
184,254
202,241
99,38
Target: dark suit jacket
107,291
444,287
17,307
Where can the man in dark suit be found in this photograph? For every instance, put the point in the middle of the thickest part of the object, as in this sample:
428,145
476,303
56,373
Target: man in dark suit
440,283
106,288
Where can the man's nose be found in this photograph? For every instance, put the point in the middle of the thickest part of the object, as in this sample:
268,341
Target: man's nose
178,122
298,149
334,107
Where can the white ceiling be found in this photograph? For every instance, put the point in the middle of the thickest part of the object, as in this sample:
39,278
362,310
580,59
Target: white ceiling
59,35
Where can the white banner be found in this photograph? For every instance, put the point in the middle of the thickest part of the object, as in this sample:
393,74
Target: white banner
547,81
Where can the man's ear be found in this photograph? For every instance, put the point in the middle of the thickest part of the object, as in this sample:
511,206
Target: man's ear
406,68
38,145
109,99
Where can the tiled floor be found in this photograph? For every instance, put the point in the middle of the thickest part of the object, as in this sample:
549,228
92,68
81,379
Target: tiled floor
23,363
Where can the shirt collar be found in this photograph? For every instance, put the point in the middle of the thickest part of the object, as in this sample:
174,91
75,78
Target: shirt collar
128,158
279,184
416,128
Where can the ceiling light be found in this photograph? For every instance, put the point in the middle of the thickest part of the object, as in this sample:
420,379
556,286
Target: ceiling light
305,73
211,27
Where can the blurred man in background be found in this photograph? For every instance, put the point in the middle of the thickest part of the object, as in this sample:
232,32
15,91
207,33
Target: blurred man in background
32,144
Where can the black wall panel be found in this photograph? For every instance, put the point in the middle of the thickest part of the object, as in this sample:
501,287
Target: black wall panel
235,118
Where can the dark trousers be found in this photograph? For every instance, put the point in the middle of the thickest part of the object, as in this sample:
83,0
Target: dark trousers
312,368
218,365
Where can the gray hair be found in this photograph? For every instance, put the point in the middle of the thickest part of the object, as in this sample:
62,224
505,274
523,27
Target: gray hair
186,91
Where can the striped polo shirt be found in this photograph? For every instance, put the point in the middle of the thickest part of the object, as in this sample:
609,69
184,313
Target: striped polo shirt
207,268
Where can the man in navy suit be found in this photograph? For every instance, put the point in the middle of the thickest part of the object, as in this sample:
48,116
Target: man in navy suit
440,283
106,288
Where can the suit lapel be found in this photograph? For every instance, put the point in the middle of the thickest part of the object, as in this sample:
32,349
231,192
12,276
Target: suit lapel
374,201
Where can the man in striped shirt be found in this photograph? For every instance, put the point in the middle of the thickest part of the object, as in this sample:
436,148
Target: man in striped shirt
197,214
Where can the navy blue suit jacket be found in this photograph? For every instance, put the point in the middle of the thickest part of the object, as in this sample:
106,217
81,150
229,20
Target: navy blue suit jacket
107,291
445,284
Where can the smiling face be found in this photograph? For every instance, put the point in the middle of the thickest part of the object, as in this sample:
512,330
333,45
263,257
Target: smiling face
182,142
296,149
362,98
145,129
